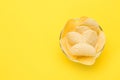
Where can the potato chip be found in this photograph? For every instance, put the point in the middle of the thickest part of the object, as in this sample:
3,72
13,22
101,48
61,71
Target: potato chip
83,49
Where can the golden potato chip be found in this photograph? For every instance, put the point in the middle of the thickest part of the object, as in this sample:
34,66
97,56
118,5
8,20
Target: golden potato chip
74,38
90,36
83,49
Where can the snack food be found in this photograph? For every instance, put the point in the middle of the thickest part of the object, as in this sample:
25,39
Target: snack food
82,40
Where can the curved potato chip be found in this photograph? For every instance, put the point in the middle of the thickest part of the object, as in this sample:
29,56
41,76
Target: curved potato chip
74,38
81,29
83,49
92,24
90,36
100,42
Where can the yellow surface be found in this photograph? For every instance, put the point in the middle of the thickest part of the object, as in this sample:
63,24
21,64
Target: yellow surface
29,39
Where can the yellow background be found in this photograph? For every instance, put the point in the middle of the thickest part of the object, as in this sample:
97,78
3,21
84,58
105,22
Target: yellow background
29,39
